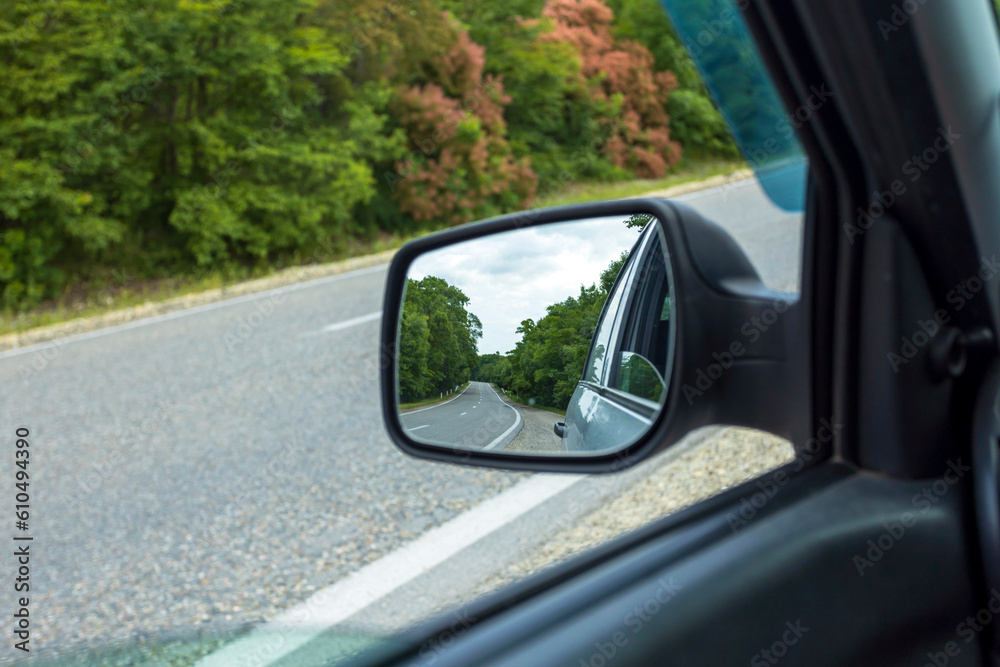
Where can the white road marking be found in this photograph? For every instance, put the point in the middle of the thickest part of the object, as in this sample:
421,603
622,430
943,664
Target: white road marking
86,335
463,414
417,428
334,604
403,414
339,326
517,420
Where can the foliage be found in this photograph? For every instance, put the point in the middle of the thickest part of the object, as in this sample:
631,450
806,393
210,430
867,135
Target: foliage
695,123
548,361
172,136
461,166
192,133
438,339
625,72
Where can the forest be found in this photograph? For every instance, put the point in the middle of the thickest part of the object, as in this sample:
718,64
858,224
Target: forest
547,362
166,137
438,340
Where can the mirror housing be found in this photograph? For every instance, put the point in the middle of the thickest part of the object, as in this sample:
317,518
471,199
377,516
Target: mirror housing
739,353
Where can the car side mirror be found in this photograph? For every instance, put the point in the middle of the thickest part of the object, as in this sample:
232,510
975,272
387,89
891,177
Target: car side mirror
578,339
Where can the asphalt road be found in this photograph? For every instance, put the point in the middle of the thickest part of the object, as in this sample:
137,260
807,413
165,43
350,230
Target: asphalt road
475,419
214,467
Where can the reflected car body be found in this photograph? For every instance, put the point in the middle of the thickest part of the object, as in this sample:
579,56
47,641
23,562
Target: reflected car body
624,380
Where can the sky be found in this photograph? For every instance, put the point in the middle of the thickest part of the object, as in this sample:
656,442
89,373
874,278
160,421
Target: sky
513,276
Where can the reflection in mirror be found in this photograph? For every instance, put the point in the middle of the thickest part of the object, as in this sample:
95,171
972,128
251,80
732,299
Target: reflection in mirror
543,340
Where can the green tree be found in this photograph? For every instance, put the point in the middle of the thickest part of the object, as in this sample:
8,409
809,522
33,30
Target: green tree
548,361
694,120
162,135
414,350
438,339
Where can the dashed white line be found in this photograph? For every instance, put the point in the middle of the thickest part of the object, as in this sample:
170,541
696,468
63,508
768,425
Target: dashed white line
225,303
339,326
464,413
417,428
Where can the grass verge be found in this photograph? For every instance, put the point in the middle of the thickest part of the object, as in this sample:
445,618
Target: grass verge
690,172
115,291
427,402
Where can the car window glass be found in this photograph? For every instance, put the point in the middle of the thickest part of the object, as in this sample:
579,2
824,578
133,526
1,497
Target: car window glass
604,336
641,362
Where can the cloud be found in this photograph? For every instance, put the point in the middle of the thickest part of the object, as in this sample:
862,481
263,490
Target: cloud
513,276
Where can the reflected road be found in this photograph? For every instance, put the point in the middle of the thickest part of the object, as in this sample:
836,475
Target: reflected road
475,419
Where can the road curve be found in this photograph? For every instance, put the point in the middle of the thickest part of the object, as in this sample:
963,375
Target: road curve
475,419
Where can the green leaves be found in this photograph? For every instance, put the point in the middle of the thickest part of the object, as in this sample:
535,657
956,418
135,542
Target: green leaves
160,136
548,361
438,339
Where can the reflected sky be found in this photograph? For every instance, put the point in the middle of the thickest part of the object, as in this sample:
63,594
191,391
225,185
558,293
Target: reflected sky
513,276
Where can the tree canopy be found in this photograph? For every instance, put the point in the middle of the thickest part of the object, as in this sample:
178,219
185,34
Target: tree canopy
438,339
546,364
164,137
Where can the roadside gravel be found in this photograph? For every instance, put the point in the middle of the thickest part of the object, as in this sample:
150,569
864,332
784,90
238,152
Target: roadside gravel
537,434
734,456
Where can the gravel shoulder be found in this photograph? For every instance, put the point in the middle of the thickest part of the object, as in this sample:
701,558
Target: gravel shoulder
289,276
537,434
734,456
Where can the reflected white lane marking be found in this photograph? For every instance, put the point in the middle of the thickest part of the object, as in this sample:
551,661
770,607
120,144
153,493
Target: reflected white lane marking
463,414
417,428
410,412
517,421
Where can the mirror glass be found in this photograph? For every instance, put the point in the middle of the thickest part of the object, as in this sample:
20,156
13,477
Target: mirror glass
546,340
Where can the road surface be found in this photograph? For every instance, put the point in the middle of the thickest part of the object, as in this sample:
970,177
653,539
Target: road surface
216,466
475,419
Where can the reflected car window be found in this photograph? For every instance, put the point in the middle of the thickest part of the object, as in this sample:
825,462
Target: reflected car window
603,338
642,361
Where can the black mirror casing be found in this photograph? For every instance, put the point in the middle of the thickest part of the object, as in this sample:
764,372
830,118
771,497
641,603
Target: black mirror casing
739,355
